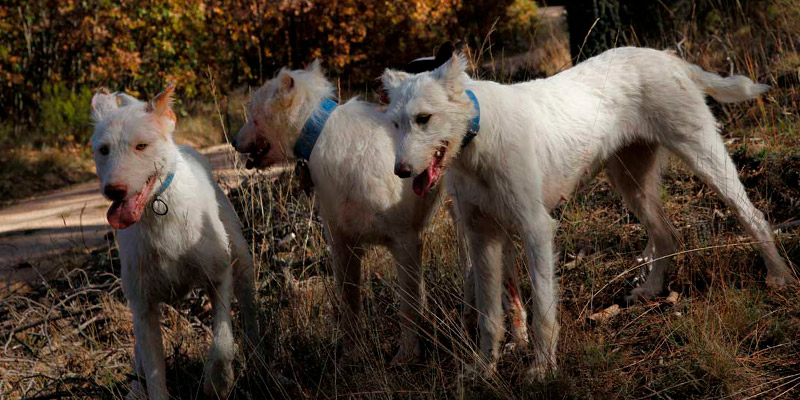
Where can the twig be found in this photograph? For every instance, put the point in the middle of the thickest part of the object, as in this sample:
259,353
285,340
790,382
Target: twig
786,225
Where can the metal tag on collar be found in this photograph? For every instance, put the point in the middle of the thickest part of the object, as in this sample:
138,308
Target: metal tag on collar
159,206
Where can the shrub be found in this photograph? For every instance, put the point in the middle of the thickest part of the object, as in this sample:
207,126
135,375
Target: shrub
63,115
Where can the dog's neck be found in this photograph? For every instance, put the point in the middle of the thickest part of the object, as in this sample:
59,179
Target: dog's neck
174,175
310,104
312,129
315,105
472,143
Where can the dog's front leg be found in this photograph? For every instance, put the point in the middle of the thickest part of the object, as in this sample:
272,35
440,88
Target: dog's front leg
149,349
512,302
469,316
485,239
406,250
244,284
218,369
538,231
346,262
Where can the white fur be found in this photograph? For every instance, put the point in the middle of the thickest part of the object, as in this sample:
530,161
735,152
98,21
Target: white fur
197,243
540,140
361,202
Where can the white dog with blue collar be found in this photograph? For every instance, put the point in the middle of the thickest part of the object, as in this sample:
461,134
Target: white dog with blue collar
537,143
181,235
349,152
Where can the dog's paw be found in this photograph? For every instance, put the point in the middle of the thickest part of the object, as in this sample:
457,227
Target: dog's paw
539,372
409,352
514,347
479,371
137,392
218,379
641,294
779,280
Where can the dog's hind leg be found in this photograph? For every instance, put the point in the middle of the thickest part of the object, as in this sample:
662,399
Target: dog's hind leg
406,250
218,368
244,285
243,273
645,260
705,153
634,171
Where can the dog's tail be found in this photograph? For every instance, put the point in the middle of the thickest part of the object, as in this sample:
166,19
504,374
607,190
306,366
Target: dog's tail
726,90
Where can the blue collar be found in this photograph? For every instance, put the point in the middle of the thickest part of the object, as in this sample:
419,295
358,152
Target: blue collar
475,123
313,128
166,183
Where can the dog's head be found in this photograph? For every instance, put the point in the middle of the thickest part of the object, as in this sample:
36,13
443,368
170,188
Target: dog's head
276,114
430,113
133,150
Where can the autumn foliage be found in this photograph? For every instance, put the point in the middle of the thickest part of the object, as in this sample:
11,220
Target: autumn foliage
137,46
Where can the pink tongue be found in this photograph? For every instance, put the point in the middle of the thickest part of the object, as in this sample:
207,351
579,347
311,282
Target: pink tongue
123,214
423,182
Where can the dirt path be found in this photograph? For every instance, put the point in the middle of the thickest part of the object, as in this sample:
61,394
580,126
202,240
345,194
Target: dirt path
74,218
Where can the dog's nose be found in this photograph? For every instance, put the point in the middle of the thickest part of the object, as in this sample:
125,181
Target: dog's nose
402,170
116,191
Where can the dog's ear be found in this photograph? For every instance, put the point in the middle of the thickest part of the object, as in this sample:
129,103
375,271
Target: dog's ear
451,74
392,78
102,102
161,105
315,66
285,83
124,99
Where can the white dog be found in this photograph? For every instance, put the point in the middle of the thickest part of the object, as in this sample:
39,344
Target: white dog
176,230
362,203
528,146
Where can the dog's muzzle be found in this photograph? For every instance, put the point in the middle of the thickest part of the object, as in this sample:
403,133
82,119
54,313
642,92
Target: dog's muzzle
402,170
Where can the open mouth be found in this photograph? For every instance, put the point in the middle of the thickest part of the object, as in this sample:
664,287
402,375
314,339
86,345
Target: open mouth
254,159
427,179
124,213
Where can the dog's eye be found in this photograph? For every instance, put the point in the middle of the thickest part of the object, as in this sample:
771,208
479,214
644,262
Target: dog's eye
103,150
141,146
423,119
396,125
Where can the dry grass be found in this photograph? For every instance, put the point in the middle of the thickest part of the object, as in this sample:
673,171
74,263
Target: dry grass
69,334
